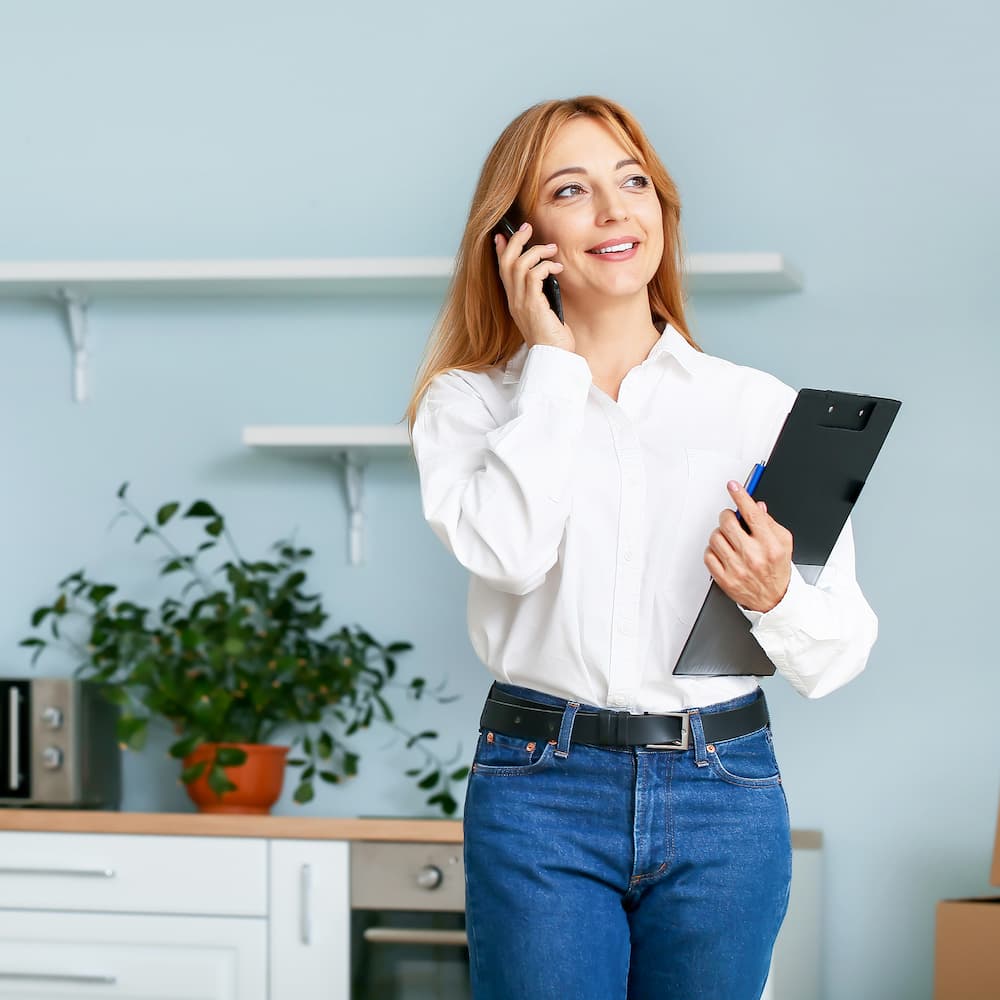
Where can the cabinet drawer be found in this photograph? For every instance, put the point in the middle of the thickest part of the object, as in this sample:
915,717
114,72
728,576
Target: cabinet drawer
112,957
137,874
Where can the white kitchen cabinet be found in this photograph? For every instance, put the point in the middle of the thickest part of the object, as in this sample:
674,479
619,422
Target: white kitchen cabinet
104,956
173,917
309,924
221,876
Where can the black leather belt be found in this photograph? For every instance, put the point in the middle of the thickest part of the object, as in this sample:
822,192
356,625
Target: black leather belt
515,716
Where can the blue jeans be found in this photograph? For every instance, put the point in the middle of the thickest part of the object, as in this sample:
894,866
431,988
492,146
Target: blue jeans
606,873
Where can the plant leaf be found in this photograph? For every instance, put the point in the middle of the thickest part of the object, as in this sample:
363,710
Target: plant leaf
218,781
201,508
427,734
304,793
166,512
230,756
194,772
182,748
430,780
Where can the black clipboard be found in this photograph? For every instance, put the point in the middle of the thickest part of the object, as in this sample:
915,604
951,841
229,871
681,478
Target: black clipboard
811,481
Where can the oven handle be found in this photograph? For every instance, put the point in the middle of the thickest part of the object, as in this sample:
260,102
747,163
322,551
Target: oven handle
414,935
14,747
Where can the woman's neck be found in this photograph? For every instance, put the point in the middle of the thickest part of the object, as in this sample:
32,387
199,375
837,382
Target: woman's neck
614,338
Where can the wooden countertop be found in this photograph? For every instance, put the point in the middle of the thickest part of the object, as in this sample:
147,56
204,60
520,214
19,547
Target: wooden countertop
429,831
439,831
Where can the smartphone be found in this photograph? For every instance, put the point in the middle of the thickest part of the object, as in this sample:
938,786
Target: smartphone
550,287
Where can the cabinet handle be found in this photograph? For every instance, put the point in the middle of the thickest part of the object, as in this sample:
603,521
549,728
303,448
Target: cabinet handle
14,746
413,935
55,977
305,904
75,872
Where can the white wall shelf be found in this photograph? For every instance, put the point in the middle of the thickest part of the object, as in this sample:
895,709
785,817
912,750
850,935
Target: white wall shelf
349,448
75,283
706,272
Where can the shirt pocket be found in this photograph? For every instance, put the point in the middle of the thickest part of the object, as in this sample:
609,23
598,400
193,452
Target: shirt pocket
705,495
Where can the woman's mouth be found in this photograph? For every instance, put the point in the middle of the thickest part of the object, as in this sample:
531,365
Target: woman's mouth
618,249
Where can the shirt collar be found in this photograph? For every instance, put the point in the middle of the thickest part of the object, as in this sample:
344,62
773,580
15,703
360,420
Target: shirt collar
671,344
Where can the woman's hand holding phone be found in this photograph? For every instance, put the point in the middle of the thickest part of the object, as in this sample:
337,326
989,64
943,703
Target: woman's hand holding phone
522,272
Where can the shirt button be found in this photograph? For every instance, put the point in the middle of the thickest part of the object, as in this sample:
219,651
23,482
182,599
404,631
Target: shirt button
628,555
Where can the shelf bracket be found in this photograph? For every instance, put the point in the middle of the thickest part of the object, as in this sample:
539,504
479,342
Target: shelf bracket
353,470
75,305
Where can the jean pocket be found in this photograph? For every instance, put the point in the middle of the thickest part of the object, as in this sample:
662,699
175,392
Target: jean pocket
498,753
748,760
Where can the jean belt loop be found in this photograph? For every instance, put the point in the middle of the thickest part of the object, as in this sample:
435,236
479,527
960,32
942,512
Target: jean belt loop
698,737
566,728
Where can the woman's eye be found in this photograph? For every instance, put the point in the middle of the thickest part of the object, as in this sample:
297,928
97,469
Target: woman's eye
639,181
568,191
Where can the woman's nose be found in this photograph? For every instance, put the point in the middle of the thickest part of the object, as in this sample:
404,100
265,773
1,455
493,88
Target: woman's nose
611,208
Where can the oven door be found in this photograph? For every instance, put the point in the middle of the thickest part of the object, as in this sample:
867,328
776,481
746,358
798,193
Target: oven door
15,740
408,955
408,922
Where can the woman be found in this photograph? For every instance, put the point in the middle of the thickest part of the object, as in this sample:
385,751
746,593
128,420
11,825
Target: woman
626,833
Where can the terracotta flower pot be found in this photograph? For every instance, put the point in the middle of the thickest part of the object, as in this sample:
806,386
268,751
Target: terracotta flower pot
258,780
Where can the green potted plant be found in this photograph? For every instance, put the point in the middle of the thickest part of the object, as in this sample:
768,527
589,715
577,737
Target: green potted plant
239,657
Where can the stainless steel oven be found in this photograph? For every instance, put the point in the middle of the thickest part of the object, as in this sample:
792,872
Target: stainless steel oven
58,744
408,922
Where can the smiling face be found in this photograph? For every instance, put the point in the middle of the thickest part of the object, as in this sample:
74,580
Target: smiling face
596,203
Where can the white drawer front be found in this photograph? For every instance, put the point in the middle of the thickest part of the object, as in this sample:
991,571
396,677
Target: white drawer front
112,957
137,874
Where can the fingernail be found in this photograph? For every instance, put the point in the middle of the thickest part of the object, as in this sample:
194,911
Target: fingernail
734,487
496,239
550,246
523,226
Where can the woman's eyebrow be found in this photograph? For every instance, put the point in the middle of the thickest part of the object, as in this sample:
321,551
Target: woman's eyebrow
580,170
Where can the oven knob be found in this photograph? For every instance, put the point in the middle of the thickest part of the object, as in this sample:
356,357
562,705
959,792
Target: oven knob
52,717
429,877
52,758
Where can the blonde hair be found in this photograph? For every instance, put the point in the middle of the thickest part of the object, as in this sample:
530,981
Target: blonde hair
474,330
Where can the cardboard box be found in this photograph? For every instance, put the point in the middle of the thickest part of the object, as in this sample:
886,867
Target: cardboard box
967,950
995,874
967,944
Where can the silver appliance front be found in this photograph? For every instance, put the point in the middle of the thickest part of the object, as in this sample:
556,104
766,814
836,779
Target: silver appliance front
408,922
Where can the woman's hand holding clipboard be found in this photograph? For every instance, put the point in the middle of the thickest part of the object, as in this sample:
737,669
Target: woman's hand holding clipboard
750,555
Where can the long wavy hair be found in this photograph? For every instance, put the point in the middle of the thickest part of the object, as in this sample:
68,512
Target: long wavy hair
474,330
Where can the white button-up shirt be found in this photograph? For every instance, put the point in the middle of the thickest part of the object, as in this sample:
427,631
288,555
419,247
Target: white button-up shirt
583,523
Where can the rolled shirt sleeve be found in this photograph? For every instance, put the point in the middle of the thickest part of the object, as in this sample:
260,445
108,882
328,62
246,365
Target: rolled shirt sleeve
819,636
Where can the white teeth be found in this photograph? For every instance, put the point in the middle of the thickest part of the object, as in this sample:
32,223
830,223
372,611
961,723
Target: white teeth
617,248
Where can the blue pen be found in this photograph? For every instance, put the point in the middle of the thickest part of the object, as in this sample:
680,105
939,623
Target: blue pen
754,478
750,485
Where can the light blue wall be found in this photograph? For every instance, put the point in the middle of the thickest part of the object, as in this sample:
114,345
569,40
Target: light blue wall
859,138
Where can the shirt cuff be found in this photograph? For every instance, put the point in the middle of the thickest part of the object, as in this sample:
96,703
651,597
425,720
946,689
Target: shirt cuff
556,373
787,611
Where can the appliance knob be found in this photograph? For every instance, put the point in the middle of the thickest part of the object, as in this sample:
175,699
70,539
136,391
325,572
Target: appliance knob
429,877
52,758
52,717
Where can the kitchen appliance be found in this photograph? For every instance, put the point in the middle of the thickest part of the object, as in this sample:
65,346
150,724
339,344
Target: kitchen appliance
408,922
58,744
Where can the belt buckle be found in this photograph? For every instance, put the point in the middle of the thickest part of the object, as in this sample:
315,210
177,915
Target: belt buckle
684,742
